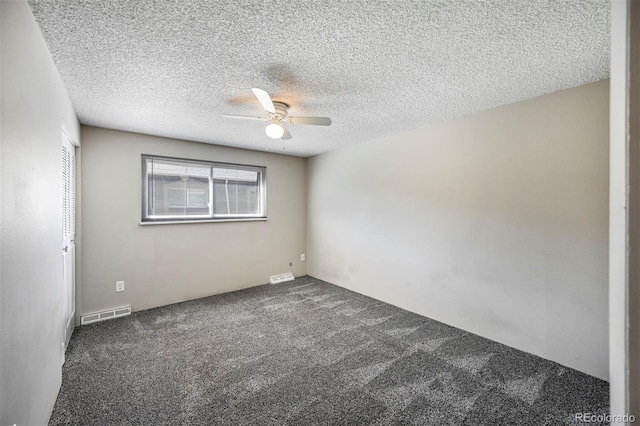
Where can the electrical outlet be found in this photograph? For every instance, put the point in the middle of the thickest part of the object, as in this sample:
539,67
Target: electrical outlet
119,286
303,257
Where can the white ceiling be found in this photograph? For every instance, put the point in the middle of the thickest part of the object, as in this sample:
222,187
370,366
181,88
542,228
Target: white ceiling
376,67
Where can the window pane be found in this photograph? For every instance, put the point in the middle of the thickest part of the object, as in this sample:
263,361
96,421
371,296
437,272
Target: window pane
177,188
236,192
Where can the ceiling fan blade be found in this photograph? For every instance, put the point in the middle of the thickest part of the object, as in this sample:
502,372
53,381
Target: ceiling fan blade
318,121
286,134
265,100
245,117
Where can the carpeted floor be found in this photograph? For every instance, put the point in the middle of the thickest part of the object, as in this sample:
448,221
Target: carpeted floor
308,353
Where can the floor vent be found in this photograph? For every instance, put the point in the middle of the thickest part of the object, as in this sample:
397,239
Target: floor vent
105,315
275,279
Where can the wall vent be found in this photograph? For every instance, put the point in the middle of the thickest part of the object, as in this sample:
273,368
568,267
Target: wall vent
275,279
105,315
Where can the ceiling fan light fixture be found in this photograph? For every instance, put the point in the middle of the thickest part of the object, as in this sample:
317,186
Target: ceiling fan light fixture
274,131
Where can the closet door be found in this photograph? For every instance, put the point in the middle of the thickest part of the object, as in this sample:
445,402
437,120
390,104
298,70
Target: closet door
68,236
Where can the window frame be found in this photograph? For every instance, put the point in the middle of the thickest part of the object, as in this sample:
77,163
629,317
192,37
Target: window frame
147,219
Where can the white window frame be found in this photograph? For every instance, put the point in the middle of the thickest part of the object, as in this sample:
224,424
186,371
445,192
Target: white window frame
149,219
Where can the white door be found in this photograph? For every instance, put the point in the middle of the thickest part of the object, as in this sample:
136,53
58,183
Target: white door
68,237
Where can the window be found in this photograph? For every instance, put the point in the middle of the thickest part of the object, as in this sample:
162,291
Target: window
177,190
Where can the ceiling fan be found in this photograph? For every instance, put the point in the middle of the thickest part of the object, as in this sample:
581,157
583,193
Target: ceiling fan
277,115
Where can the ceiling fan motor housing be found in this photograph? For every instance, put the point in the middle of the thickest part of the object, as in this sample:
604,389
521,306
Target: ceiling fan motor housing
281,110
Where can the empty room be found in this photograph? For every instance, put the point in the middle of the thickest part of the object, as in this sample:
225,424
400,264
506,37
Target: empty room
323,213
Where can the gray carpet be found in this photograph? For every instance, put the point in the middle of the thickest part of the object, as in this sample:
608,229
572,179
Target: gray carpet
308,353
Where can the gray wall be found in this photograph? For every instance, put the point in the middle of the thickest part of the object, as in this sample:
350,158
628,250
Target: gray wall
626,149
34,105
620,216
496,223
162,264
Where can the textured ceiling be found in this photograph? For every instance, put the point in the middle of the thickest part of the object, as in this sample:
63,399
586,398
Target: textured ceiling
376,67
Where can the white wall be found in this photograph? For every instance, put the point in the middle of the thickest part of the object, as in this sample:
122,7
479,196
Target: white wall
163,264
496,223
34,105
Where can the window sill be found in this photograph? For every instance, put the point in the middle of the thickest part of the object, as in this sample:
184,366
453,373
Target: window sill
175,222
